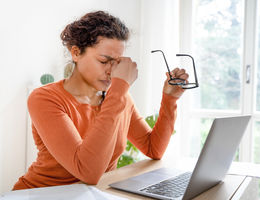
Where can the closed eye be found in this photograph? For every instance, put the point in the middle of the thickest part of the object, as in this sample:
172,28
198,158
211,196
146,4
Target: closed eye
103,62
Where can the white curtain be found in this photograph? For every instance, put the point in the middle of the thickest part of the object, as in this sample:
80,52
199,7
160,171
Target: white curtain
159,30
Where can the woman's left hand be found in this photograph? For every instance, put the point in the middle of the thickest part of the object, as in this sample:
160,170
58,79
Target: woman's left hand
175,90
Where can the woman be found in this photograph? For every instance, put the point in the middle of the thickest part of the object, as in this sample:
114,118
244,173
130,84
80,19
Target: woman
81,124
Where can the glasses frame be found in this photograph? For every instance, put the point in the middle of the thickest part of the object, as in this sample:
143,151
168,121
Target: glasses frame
181,82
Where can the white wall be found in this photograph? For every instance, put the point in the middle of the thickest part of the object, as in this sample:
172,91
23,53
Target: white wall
30,46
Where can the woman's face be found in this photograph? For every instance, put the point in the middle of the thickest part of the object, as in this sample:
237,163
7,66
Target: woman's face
94,65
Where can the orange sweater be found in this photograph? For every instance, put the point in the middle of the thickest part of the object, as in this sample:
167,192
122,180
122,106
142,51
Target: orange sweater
80,142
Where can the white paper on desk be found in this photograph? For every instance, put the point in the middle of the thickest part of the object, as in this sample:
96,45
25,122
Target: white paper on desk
66,192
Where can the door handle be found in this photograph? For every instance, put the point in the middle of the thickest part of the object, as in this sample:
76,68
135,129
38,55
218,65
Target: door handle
248,73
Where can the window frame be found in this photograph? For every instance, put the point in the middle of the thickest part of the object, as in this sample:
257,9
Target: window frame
248,90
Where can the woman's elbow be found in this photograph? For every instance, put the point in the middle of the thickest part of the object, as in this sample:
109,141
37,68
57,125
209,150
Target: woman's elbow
90,177
155,156
91,180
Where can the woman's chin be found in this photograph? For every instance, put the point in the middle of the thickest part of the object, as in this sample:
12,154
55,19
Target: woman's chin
105,85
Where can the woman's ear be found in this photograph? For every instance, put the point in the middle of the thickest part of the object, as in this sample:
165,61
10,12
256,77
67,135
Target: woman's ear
75,52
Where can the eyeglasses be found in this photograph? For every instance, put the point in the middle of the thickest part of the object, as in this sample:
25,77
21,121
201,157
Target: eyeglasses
178,81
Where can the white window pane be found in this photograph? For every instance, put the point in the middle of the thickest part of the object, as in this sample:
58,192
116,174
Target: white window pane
217,47
201,128
257,142
198,134
258,62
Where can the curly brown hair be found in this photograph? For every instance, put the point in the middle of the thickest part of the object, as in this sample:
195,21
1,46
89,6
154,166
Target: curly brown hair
84,32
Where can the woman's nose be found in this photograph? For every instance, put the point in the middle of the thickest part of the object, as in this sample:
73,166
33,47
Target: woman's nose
109,68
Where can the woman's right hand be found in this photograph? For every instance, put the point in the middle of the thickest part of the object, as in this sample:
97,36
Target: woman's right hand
125,69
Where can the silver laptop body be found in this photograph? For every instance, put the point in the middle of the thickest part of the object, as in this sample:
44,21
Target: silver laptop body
213,163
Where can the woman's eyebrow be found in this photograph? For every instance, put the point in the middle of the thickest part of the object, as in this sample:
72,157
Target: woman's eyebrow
109,58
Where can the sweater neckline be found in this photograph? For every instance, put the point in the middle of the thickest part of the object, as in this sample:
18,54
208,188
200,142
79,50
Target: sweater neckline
72,98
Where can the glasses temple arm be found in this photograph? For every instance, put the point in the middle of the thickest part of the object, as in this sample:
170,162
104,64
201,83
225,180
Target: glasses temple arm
164,60
194,68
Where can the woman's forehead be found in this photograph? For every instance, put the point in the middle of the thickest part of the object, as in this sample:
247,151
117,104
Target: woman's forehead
112,48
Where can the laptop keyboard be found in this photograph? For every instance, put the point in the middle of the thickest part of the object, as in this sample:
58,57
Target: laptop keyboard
173,187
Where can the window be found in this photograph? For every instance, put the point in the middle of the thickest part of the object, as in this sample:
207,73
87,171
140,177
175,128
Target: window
221,36
256,138
258,64
257,142
217,46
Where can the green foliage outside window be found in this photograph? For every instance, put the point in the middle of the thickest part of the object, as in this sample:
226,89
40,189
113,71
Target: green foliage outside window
217,48
204,130
218,52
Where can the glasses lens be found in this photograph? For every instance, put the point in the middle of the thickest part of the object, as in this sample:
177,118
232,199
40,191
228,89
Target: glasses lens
177,81
189,86
182,83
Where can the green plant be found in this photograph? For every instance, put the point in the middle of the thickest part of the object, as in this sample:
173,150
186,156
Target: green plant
46,78
129,156
151,120
131,152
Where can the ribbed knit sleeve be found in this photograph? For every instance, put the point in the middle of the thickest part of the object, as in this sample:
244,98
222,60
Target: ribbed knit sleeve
153,142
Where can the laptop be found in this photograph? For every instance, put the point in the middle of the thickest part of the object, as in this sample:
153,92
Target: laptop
212,165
